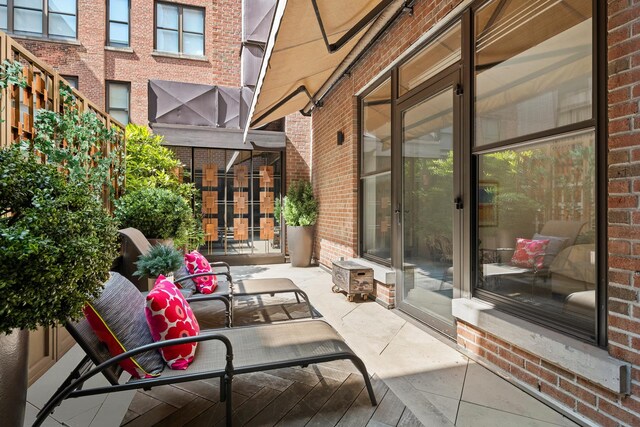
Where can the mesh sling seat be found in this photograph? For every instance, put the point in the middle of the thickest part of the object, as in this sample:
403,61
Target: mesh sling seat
134,244
221,353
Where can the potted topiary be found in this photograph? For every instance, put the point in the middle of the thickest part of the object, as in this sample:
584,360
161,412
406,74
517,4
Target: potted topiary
57,244
300,211
160,214
161,259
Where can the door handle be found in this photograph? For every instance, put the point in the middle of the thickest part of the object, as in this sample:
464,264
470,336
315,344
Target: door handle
458,202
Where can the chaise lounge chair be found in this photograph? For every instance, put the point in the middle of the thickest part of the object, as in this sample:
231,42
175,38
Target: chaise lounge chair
134,244
221,353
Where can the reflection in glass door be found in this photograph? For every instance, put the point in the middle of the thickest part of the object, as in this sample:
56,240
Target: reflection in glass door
427,211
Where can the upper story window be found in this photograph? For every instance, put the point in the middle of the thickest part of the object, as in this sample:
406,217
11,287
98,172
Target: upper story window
45,18
179,29
118,23
118,96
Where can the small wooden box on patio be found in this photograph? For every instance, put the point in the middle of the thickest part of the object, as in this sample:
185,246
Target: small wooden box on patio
352,278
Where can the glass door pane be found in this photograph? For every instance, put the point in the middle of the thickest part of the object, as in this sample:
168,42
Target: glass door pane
427,209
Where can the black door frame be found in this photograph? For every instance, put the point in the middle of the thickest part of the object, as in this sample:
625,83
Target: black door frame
448,78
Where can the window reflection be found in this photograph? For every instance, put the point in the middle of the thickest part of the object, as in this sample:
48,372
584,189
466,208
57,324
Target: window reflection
533,67
376,172
536,216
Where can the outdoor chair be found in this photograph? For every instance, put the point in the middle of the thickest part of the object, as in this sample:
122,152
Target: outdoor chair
221,353
135,244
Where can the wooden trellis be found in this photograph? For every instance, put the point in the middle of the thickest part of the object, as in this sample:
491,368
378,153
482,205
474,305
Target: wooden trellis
19,105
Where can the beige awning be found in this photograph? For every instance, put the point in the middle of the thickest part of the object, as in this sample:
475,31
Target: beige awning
299,60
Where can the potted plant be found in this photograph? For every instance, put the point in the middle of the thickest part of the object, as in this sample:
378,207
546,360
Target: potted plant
161,259
300,211
57,244
160,214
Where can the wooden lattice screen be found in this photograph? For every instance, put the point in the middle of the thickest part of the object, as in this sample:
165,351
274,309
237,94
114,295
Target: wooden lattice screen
19,105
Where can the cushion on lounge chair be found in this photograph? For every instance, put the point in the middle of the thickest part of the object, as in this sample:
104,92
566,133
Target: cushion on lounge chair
556,244
169,316
196,263
529,253
117,317
187,284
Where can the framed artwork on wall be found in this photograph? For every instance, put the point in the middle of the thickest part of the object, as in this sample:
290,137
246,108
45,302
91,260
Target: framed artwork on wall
487,207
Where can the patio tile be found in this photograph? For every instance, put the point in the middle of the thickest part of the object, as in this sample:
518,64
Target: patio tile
505,396
357,328
472,415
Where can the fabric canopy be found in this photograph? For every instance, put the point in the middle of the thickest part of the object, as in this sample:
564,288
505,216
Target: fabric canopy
300,58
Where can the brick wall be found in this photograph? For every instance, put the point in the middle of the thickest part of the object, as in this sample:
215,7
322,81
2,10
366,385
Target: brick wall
298,160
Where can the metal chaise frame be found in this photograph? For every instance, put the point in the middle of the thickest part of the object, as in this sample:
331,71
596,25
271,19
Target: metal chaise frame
72,386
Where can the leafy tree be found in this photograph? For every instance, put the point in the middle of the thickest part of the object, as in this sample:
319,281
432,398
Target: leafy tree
152,165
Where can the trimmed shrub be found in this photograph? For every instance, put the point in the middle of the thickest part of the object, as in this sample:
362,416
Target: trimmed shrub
158,213
57,244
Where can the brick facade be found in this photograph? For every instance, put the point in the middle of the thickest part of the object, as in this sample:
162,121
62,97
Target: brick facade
298,161
335,177
93,63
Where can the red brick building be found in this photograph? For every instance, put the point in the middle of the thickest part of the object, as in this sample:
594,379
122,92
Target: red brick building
489,174
187,69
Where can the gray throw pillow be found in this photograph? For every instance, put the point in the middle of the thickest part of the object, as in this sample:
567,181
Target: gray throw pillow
118,319
189,284
556,244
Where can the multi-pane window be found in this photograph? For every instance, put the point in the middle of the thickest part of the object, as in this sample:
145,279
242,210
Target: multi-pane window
62,18
118,23
179,29
48,18
118,94
535,146
375,172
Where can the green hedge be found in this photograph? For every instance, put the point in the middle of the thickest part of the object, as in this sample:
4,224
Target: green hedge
57,244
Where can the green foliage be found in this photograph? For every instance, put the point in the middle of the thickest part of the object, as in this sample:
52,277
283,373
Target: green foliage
73,141
299,207
151,165
10,74
157,212
161,259
57,244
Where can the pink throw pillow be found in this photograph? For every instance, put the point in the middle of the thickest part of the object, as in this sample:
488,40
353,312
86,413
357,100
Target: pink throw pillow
529,253
196,263
169,316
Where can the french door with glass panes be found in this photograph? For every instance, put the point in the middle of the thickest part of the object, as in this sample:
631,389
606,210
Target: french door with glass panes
427,201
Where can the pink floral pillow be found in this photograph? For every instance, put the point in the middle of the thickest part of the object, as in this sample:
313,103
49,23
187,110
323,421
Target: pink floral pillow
169,316
196,263
529,253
